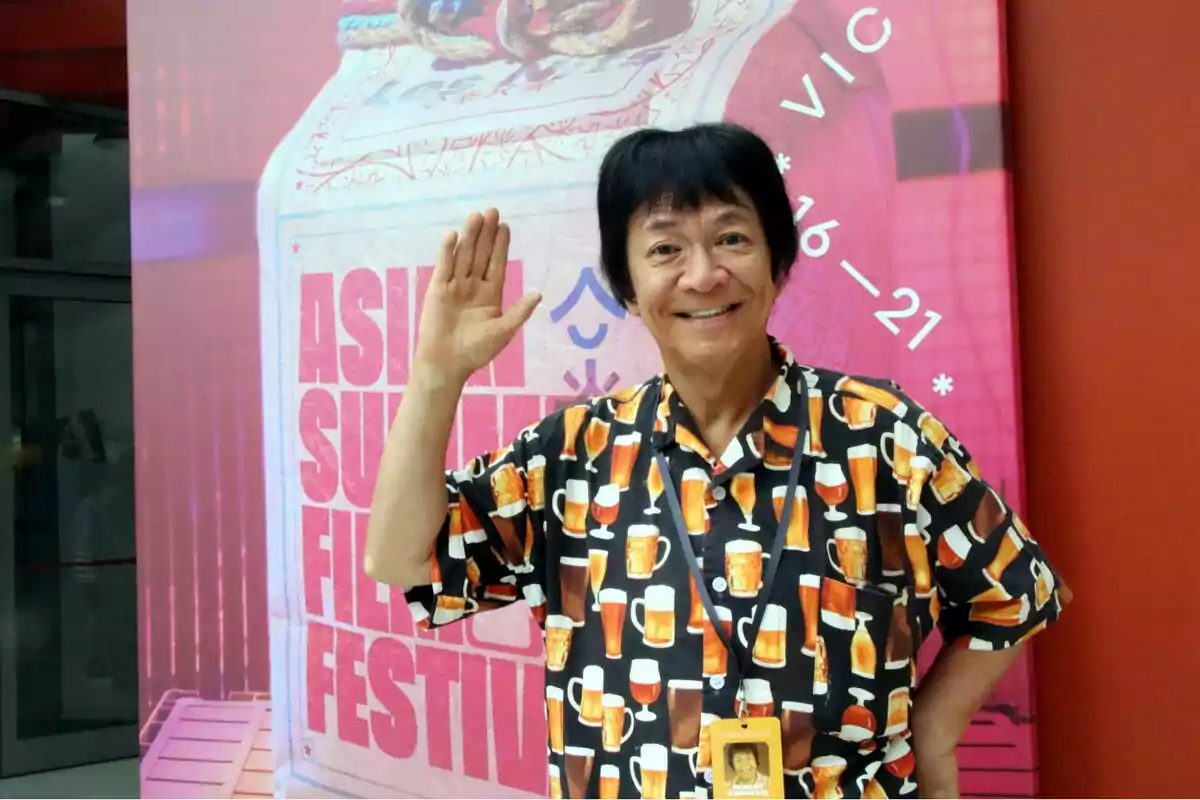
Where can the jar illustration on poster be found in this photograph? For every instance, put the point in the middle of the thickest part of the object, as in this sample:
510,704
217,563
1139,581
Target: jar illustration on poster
886,123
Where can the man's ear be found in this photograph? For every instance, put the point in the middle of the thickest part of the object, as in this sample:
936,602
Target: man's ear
632,307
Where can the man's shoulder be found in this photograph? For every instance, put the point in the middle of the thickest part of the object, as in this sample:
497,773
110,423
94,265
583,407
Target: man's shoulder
571,412
884,393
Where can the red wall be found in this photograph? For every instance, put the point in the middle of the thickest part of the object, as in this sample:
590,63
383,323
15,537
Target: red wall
73,50
1105,112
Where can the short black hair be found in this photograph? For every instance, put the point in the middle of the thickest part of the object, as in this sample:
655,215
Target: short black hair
740,747
703,163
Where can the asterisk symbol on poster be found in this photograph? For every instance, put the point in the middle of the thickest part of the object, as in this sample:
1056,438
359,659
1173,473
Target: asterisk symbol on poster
943,384
590,387
783,162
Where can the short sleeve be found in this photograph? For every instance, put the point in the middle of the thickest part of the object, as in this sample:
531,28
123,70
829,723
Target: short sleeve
995,586
490,551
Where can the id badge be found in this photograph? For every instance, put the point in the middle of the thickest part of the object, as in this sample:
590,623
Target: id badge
747,758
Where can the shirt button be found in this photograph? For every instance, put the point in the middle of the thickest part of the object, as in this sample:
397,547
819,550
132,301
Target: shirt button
717,682
708,776
719,584
718,493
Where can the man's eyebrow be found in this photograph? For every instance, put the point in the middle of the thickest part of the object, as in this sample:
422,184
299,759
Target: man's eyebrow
660,222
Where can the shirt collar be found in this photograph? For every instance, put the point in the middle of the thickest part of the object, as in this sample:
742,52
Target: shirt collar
769,434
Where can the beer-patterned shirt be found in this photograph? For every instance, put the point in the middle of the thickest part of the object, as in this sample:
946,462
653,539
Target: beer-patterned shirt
892,532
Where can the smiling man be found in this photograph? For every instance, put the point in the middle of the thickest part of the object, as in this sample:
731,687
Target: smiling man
741,536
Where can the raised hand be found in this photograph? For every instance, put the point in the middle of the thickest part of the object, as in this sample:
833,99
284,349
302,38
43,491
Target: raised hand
463,324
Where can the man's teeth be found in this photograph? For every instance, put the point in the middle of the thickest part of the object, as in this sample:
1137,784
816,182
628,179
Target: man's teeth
706,314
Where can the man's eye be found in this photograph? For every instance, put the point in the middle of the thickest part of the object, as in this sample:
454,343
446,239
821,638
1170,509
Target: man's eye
662,250
733,239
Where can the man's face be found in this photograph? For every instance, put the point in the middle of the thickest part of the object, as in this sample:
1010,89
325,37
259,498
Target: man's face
701,280
745,765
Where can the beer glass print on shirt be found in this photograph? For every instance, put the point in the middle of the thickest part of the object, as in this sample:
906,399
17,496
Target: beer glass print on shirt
573,581
832,488
684,705
797,732
797,530
645,686
754,699
595,440
578,764
605,506
613,609
624,457
742,487
716,654
693,499
597,569
863,462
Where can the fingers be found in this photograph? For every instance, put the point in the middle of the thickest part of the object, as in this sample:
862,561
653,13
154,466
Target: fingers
517,315
498,256
464,255
483,247
443,265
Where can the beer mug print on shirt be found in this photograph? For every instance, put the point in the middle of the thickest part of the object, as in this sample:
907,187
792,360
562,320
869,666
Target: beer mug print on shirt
898,448
743,567
590,702
615,732
770,646
559,629
642,556
573,512
856,413
658,610
649,771
404,140
848,553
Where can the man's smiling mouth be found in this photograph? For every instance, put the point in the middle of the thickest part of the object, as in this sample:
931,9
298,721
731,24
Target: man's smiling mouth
709,313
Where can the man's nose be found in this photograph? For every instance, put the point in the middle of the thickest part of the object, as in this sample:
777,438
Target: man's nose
703,273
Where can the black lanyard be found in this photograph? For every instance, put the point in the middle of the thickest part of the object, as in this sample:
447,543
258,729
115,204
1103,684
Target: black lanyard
743,658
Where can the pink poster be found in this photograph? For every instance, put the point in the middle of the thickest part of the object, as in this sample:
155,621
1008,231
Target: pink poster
887,121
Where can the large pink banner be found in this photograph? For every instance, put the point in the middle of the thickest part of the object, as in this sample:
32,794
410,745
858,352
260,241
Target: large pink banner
888,124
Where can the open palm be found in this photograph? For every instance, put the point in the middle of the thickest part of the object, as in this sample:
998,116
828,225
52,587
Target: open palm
463,323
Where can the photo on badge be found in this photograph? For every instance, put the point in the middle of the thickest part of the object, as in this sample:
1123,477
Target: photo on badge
747,758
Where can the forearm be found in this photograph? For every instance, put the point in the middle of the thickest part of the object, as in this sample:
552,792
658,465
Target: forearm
954,689
409,503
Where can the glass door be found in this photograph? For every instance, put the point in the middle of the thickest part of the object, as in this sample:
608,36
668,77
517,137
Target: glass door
68,596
